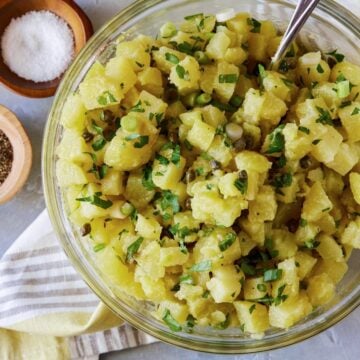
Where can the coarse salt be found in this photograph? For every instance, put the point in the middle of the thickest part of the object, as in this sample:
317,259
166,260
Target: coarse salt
38,46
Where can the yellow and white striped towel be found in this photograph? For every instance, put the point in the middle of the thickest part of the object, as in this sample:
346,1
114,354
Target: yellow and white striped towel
46,309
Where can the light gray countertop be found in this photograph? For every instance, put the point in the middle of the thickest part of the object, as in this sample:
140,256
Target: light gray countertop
339,342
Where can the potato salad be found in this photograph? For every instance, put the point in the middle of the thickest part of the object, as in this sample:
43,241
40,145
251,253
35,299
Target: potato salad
222,192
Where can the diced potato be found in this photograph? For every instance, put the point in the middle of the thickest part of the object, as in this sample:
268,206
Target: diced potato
275,83
207,78
255,288
329,249
201,135
227,185
350,120
351,234
311,68
225,80
264,207
186,75
335,270
284,244
97,91
126,153
253,104
255,230
316,203
290,311
321,289
252,161
253,316
148,227
135,191
348,70
73,113
273,109
345,159
74,148
354,179
153,269
325,150
240,25
304,263
113,183
225,285
235,55
135,52
289,281
220,151
160,58
165,176
217,46
151,81
172,256
208,206
69,173
117,273
120,70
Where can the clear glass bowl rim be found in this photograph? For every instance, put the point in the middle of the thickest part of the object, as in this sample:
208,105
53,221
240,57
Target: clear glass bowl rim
56,213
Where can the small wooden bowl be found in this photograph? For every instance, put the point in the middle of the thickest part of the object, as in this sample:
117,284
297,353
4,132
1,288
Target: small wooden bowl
66,9
22,154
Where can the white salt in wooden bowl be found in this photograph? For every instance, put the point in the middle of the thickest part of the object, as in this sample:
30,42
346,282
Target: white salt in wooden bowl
66,9
22,154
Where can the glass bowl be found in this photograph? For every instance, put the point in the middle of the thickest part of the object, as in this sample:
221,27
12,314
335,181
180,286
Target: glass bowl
331,26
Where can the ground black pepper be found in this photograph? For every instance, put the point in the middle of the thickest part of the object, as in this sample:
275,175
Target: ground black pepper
6,156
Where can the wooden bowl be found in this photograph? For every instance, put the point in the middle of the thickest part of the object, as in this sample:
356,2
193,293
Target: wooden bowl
22,154
66,9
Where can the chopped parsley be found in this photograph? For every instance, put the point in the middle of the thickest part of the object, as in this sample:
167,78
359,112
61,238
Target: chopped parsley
181,72
201,266
169,201
272,274
228,78
252,308
96,200
98,144
99,247
277,140
137,107
186,279
172,58
261,287
106,98
304,129
337,56
227,242
256,25
143,140
162,159
175,156
320,69
356,111
224,324
311,244
303,222
325,117
242,182
262,74
133,248
171,322
146,180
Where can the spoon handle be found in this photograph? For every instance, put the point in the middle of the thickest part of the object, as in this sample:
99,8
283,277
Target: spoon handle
303,10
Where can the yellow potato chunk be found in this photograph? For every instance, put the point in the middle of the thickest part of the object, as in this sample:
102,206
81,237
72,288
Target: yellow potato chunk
320,290
253,316
354,179
201,135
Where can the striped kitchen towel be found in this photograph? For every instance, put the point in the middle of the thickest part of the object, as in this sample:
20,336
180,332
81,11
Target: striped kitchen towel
47,311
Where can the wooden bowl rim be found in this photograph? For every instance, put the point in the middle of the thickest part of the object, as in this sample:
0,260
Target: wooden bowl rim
22,154
49,91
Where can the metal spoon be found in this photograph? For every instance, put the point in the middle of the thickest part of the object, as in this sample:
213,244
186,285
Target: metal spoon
302,12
